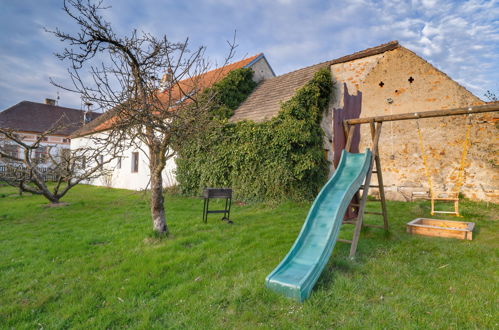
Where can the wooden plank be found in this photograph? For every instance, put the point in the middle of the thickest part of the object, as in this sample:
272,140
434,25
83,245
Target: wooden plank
360,217
440,232
345,130
344,240
351,130
427,114
349,222
379,175
373,226
376,213
441,228
444,223
373,130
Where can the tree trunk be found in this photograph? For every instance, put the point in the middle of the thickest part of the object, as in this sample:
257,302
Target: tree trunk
157,202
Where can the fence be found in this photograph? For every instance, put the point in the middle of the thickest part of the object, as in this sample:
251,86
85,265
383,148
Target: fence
15,172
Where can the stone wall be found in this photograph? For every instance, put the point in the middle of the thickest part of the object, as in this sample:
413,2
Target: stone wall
399,81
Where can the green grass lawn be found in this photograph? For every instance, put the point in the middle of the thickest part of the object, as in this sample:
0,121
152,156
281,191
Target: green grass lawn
95,264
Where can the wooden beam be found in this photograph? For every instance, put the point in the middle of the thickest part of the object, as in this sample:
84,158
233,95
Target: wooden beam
351,130
427,114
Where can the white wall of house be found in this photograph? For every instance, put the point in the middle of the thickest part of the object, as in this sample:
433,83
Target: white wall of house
54,145
124,176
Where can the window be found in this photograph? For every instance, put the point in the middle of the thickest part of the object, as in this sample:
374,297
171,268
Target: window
65,140
11,150
135,162
45,139
101,160
41,154
83,162
118,163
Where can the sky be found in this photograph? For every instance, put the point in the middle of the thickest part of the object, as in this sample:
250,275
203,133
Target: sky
460,38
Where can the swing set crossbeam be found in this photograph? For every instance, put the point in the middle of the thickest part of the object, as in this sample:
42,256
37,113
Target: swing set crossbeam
426,114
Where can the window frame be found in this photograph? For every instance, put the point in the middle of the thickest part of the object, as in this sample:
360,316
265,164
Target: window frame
135,162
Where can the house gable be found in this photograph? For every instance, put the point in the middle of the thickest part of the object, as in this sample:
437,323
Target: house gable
261,68
401,82
265,101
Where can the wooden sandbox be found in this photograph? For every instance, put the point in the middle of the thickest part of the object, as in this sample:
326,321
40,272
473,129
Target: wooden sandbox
441,228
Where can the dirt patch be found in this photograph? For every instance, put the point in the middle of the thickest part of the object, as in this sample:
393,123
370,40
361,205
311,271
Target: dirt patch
55,205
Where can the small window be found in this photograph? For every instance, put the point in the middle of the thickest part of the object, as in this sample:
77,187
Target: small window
65,140
83,162
41,154
101,160
135,162
45,139
11,150
118,163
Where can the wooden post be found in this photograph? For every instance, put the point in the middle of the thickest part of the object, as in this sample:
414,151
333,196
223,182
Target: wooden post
380,175
351,130
375,134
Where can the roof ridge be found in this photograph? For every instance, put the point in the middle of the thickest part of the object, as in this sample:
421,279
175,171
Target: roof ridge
264,102
219,68
353,56
55,105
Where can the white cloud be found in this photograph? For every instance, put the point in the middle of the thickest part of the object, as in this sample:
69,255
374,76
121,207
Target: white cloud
461,38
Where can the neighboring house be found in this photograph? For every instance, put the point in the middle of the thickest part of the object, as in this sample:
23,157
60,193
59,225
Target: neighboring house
30,120
131,171
391,79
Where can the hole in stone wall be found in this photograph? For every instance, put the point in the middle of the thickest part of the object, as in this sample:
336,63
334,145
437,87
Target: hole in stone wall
381,84
411,79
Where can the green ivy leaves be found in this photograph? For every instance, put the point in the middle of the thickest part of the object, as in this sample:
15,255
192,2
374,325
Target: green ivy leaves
275,160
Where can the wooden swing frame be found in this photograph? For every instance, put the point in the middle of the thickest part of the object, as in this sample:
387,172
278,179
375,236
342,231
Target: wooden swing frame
376,125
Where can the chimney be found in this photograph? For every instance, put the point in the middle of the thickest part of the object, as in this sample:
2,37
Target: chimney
50,101
86,116
166,80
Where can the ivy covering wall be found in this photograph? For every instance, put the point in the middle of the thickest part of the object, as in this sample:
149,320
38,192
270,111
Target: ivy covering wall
279,159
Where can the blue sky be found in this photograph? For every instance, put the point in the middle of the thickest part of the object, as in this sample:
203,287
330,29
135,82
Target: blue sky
460,38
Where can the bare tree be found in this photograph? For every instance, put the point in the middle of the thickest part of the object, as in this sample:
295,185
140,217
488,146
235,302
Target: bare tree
491,96
29,166
124,71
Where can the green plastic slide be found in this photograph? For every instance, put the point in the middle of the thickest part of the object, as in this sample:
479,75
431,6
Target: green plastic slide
298,272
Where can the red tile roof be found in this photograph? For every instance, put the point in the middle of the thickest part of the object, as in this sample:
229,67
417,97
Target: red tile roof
182,88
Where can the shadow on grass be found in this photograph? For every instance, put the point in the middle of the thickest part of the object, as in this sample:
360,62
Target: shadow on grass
371,243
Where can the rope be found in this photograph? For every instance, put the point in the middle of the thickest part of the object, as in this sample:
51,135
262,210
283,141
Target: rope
423,154
460,175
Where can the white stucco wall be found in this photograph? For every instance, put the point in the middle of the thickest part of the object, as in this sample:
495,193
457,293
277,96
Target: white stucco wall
54,144
262,70
123,177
